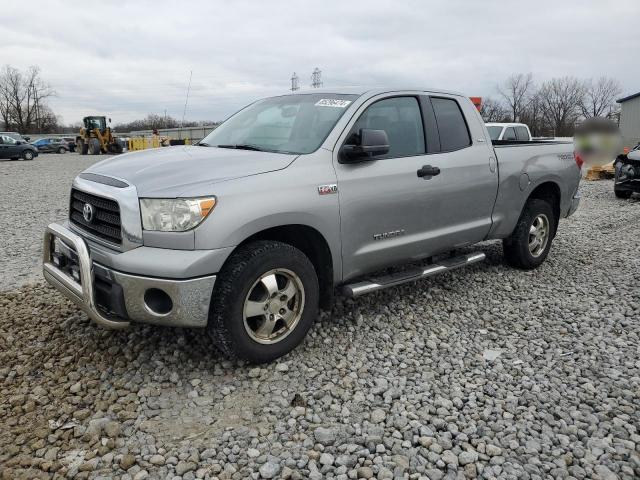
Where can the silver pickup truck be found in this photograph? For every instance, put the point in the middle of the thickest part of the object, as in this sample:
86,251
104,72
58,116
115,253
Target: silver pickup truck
295,198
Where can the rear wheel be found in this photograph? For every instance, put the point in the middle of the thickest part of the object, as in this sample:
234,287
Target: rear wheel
622,193
94,146
27,155
264,302
530,242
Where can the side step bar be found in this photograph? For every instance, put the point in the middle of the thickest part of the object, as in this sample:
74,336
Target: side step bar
386,281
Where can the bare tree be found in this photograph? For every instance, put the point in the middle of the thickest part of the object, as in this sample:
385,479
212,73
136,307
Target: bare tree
533,116
599,97
560,100
516,91
23,98
492,110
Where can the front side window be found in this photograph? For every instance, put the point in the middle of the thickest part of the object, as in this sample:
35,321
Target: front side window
400,117
295,124
452,126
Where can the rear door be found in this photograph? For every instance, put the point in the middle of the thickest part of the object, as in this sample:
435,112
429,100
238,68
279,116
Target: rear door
462,196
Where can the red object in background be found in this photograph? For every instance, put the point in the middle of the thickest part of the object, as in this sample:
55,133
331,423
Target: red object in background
578,159
477,101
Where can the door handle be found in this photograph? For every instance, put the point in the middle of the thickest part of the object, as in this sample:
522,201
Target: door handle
427,171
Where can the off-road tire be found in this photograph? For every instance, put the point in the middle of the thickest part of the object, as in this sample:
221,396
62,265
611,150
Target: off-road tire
622,193
516,246
115,148
94,146
28,155
82,147
244,267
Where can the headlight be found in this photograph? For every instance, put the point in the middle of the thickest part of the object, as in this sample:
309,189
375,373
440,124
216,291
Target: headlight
174,214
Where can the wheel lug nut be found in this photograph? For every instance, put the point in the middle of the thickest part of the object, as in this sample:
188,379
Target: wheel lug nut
271,317
282,311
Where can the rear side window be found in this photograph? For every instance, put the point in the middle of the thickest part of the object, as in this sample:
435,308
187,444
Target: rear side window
522,134
398,116
452,126
509,134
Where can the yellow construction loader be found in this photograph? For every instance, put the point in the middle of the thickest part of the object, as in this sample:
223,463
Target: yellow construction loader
96,137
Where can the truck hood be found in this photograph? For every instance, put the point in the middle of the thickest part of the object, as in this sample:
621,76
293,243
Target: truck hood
170,171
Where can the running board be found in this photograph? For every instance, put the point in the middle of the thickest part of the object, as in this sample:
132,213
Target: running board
411,275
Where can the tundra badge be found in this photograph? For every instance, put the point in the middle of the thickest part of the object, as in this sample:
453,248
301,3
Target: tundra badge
327,189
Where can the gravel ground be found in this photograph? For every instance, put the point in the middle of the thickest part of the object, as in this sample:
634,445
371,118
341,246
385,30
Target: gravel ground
488,373
36,194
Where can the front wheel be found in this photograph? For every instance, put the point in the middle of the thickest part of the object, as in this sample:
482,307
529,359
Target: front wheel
264,301
62,150
529,244
27,155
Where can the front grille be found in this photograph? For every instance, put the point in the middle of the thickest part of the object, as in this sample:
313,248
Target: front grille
106,219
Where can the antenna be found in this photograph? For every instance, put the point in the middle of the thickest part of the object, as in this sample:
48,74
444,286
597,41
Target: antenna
316,78
186,102
295,83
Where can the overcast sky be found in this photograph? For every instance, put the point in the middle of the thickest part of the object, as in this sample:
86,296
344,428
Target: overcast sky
129,58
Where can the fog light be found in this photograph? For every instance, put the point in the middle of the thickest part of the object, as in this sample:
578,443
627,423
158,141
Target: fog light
158,301
58,260
75,274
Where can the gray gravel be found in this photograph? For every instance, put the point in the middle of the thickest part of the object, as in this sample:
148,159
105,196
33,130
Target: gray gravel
487,373
33,194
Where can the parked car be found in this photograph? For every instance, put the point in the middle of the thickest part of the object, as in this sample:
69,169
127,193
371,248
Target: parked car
51,145
509,131
16,149
627,173
71,143
248,232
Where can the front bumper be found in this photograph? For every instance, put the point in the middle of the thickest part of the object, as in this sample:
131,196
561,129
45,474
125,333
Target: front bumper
113,299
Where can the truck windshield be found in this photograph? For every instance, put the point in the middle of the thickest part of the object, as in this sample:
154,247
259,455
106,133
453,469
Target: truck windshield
288,124
494,132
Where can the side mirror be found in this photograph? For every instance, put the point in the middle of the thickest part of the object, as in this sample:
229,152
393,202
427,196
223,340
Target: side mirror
369,143
109,120
19,142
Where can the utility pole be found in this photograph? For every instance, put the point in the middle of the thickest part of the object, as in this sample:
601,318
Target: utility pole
295,83
316,78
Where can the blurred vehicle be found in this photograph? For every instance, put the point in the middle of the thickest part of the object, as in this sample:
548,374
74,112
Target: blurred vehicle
16,149
71,143
16,136
51,145
627,173
509,131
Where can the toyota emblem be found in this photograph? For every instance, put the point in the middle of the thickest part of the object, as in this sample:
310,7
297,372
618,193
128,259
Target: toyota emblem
88,212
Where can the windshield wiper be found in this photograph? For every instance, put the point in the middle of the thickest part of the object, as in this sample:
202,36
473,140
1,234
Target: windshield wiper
242,146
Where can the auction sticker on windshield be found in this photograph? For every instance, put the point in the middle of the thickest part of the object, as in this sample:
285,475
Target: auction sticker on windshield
332,102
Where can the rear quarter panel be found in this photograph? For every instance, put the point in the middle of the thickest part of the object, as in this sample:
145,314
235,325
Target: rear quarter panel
522,168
